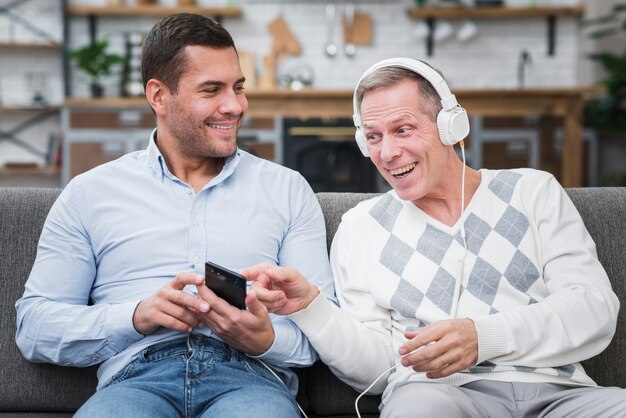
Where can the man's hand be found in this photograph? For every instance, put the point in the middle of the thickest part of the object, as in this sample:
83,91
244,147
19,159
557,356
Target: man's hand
447,347
171,307
248,330
281,289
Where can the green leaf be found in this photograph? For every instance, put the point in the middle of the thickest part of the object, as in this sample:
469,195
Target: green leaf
94,60
619,8
603,33
599,20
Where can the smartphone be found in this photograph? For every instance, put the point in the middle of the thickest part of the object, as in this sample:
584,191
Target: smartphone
226,284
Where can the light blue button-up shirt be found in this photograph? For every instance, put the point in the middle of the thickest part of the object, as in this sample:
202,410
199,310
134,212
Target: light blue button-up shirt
123,230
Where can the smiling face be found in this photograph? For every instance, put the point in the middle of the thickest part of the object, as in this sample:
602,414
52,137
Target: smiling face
203,115
403,142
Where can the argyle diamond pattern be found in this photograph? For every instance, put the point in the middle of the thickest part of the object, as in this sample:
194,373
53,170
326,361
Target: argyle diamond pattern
425,256
493,260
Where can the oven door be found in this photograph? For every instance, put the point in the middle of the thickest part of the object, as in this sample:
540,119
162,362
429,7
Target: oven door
325,153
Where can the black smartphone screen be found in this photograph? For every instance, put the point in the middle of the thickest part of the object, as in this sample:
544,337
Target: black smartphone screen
226,284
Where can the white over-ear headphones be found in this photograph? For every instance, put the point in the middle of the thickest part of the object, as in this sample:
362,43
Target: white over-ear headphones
452,121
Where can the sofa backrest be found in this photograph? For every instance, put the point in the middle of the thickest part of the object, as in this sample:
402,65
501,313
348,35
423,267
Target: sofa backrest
604,212
28,387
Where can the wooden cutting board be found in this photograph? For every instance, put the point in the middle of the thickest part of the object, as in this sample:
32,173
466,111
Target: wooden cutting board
248,67
362,31
283,41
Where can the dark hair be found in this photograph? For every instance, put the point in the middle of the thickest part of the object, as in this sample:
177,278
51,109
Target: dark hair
162,55
389,76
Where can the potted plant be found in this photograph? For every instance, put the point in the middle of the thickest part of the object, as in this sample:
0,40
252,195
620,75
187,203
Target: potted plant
607,114
94,60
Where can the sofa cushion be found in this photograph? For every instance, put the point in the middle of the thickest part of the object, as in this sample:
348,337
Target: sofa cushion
330,397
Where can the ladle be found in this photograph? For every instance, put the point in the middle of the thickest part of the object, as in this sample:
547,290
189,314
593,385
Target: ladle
331,48
349,47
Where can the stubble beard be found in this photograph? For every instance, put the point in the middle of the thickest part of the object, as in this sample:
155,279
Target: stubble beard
194,141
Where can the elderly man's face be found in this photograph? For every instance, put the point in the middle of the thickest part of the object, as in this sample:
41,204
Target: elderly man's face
403,142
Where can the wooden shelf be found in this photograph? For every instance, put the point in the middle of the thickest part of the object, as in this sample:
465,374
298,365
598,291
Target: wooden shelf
105,102
338,102
29,169
150,10
23,108
431,14
23,45
493,12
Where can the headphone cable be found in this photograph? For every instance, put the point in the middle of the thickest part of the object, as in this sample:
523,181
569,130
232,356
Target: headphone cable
461,261
459,277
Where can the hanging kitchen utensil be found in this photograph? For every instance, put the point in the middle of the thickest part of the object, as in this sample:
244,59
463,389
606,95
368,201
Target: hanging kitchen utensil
330,49
362,29
247,61
348,29
283,40
267,81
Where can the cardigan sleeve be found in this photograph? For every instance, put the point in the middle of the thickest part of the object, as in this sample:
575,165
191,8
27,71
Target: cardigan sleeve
577,319
354,340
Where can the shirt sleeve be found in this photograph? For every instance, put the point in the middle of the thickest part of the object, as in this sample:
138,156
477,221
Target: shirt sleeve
55,322
364,327
304,249
577,319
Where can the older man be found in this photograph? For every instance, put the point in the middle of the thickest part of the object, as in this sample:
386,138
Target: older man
475,293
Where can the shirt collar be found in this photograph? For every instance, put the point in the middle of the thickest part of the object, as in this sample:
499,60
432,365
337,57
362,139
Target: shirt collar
155,158
157,163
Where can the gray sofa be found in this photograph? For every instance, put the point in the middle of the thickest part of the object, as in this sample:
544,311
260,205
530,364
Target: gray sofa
37,390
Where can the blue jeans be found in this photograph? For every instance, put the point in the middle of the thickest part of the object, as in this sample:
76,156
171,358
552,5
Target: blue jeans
197,376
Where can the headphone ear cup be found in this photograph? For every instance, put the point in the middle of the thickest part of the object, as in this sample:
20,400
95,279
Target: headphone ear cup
442,127
453,125
460,124
361,141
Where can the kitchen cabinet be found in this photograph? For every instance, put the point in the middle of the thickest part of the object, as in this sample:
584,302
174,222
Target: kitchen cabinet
431,14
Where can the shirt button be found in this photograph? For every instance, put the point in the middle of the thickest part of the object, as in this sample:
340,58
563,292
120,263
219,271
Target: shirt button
196,222
196,260
130,341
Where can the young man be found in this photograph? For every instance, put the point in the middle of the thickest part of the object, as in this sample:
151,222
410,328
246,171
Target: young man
474,293
118,276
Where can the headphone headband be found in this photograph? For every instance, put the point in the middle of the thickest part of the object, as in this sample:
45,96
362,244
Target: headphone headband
452,121
448,100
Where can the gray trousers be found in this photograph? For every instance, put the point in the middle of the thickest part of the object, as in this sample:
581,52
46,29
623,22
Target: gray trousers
493,399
